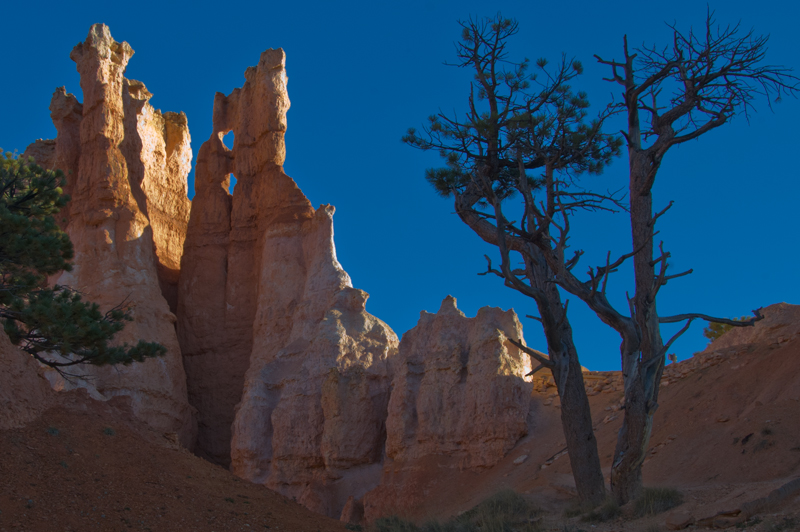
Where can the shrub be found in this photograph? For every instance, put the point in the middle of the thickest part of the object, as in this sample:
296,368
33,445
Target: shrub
505,511
605,512
654,501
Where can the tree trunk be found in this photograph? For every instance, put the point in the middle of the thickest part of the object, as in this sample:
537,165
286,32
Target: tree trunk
576,416
576,421
641,378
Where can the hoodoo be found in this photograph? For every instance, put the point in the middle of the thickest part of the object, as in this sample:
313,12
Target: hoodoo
274,367
126,166
289,373
459,396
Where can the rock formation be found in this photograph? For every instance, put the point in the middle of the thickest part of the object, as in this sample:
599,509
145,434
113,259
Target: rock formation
269,320
126,166
460,388
459,393
293,384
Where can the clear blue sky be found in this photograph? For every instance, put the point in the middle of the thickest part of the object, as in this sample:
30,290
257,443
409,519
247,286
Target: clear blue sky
361,73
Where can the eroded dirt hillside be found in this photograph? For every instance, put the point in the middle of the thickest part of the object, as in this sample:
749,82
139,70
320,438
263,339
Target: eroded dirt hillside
89,465
727,431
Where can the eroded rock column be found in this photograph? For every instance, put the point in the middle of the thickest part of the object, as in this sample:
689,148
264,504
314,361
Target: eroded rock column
125,163
288,371
459,397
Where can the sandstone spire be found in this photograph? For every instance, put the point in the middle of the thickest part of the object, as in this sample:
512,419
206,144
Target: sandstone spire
267,317
126,166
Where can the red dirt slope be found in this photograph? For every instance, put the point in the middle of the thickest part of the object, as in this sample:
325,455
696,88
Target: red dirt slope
727,431
88,465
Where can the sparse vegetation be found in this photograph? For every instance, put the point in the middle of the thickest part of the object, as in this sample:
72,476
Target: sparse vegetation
605,512
108,431
579,508
653,501
52,431
46,321
504,512
786,523
715,330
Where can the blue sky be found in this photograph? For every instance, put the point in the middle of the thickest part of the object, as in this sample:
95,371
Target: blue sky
361,73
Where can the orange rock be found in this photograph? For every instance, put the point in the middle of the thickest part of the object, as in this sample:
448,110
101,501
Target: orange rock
780,319
353,512
679,521
288,371
126,164
459,396
459,388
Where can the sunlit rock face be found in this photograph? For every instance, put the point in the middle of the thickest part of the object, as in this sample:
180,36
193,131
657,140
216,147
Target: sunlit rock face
288,371
126,166
459,388
459,399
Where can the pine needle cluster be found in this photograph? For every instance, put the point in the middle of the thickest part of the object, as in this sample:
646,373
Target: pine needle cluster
53,324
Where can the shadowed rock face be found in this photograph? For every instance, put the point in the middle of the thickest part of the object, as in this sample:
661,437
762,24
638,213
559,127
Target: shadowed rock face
126,166
288,372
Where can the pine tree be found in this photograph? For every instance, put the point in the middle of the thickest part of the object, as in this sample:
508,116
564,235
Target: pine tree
519,124
37,318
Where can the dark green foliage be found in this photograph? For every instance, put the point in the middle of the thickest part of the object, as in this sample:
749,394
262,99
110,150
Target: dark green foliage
715,330
31,244
50,320
393,523
513,114
653,501
506,511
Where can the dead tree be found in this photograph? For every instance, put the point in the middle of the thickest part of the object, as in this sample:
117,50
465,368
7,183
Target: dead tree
487,172
672,95
684,91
